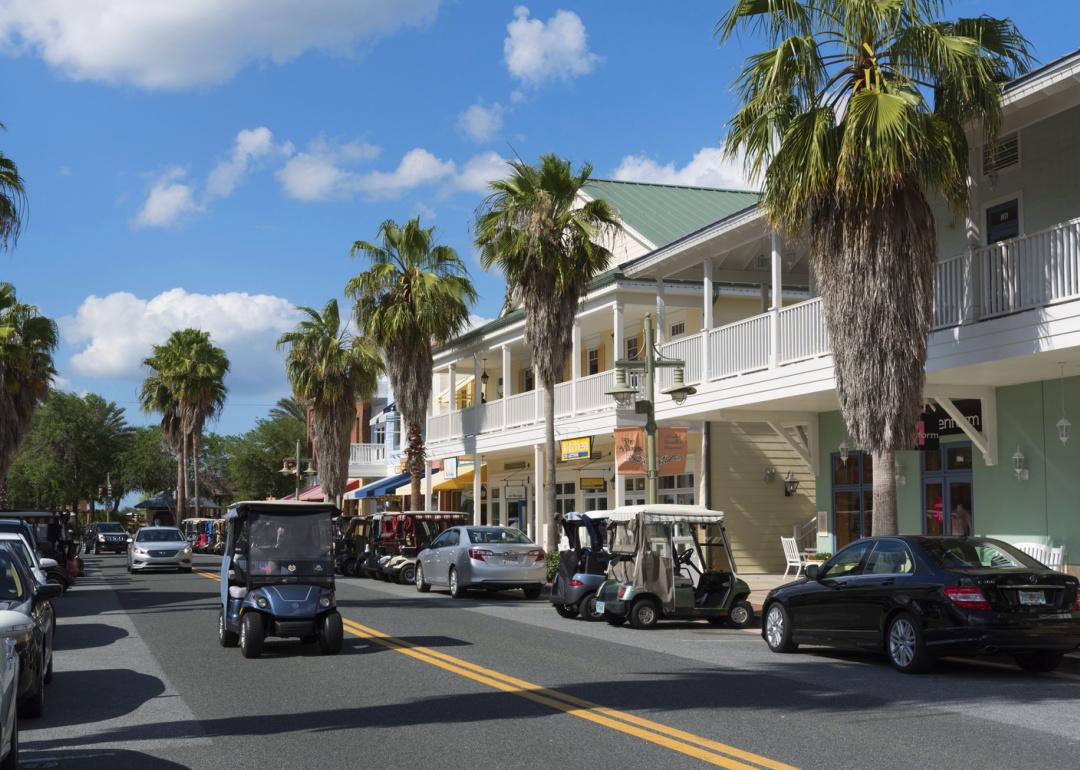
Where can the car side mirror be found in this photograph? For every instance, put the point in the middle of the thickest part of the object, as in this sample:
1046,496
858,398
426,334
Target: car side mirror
48,591
813,572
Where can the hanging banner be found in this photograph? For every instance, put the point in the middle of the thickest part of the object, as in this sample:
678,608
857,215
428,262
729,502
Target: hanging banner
630,451
936,422
449,468
593,484
671,451
576,448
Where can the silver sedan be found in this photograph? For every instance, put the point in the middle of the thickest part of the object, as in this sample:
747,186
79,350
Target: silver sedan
159,548
493,558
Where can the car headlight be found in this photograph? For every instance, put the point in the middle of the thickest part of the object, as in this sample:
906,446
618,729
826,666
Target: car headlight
262,602
324,601
187,549
140,552
101,538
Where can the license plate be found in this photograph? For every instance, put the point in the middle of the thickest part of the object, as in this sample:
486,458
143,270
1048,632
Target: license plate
1032,598
599,608
509,559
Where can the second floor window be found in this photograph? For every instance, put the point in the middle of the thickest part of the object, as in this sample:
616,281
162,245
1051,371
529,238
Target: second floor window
633,348
378,434
679,329
593,362
528,380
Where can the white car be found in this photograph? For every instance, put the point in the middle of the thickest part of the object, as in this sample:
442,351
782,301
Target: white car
159,548
15,629
29,556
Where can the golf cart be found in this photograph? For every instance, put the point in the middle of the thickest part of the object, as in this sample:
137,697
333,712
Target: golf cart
582,566
658,569
407,534
277,576
355,549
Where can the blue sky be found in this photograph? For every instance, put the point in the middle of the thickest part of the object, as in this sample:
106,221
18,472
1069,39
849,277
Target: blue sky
211,166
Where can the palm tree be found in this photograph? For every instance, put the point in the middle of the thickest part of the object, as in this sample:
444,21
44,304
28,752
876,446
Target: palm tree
12,201
415,294
288,409
203,393
330,370
27,342
546,241
156,396
855,115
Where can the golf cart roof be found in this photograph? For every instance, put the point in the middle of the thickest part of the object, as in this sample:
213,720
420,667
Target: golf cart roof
693,514
579,515
279,508
437,515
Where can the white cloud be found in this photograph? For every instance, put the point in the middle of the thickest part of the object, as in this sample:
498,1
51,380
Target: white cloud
417,168
249,146
478,172
425,212
323,170
193,42
481,123
115,333
710,167
476,321
536,51
170,201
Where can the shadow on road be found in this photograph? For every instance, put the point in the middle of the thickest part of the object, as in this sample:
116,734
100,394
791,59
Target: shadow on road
81,697
105,759
79,636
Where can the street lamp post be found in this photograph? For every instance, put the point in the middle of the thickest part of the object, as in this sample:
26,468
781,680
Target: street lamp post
624,393
295,470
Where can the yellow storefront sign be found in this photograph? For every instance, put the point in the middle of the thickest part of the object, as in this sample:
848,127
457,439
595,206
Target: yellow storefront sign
576,448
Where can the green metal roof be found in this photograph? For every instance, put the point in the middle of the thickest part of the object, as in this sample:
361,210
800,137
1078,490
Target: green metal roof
665,213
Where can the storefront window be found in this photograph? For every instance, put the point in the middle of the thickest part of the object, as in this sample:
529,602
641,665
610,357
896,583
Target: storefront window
564,497
671,490
493,505
853,497
948,490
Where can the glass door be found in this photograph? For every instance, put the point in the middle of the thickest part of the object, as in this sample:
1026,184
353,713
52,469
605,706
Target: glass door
853,497
948,491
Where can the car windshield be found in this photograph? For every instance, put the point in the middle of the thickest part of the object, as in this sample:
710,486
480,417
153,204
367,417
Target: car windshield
497,535
111,526
24,553
11,584
290,545
159,536
975,553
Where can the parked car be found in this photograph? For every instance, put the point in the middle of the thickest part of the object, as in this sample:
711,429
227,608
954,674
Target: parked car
20,593
407,534
159,548
493,558
107,536
23,532
32,561
15,629
919,598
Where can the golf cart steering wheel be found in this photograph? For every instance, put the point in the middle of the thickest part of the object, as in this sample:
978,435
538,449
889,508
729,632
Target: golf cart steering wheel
685,557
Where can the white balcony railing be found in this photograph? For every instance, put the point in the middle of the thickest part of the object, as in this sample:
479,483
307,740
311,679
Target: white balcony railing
690,351
367,454
564,399
592,391
490,416
949,292
520,409
1031,270
740,347
802,332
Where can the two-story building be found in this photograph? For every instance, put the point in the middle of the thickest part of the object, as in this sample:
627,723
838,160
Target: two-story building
737,303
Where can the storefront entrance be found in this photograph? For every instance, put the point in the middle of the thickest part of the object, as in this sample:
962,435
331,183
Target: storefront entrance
517,514
948,504
853,497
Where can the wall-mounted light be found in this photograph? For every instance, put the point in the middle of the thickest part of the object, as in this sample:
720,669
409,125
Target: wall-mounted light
844,452
791,484
770,474
1063,425
484,377
901,479
1018,465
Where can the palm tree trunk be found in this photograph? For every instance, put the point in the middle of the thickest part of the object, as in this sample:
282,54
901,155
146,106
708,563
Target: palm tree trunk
884,517
182,501
550,540
416,453
179,496
195,462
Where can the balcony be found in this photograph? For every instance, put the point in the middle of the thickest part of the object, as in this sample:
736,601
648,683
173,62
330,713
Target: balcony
367,460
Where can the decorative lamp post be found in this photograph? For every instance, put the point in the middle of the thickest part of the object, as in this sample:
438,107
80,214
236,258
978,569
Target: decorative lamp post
295,469
624,394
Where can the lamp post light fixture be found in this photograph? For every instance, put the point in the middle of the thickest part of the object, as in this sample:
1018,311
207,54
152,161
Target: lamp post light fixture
1063,425
295,469
844,452
791,484
1018,465
648,361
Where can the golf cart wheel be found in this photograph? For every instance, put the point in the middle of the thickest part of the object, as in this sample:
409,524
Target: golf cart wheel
644,613
614,620
457,591
741,614
252,634
11,761
347,567
587,609
226,638
778,629
330,634
905,645
418,580
566,611
1039,662
407,574
531,592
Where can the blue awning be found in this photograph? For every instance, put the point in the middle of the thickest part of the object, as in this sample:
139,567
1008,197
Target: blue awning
379,488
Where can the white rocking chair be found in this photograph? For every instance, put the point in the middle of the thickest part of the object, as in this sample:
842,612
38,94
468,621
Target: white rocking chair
791,553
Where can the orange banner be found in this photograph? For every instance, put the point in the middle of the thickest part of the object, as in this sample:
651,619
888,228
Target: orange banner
630,451
671,451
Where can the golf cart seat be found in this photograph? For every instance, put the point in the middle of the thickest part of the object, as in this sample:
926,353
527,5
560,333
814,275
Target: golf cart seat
684,581
712,589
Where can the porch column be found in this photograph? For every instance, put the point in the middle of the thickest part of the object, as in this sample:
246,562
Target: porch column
701,494
427,485
506,385
477,396
972,292
620,485
617,333
476,489
452,369
575,364
538,400
706,318
777,301
538,493
661,307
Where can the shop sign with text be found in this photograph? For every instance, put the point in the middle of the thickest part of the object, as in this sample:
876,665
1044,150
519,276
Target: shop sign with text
576,448
670,451
935,422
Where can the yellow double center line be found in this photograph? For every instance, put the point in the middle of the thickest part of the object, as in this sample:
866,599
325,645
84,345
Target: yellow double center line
713,752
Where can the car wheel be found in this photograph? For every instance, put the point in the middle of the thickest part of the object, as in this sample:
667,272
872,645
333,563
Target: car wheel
407,574
48,671
456,590
644,613
130,570
1039,662
531,592
778,629
587,609
566,610
11,761
905,646
97,550
226,638
614,620
252,634
418,580
32,705
742,614
330,634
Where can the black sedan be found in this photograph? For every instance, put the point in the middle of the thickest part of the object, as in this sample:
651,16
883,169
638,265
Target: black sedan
919,598
20,593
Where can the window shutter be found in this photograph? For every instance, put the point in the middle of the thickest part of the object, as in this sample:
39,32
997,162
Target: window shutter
1004,155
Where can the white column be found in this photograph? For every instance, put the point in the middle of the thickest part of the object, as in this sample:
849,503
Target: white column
506,388
620,486
777,299
706,318
972,294
538,403
538,494
403,435
476,488
575,363
617,323
703,469
476,382
661,307
452,369
427,485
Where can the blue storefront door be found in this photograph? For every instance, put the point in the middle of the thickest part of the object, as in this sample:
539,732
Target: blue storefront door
948,491
853,497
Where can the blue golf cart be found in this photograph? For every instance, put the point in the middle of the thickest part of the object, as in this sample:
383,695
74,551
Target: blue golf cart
277,576
582,566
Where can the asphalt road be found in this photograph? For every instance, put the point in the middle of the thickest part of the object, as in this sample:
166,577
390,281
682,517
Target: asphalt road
425,681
